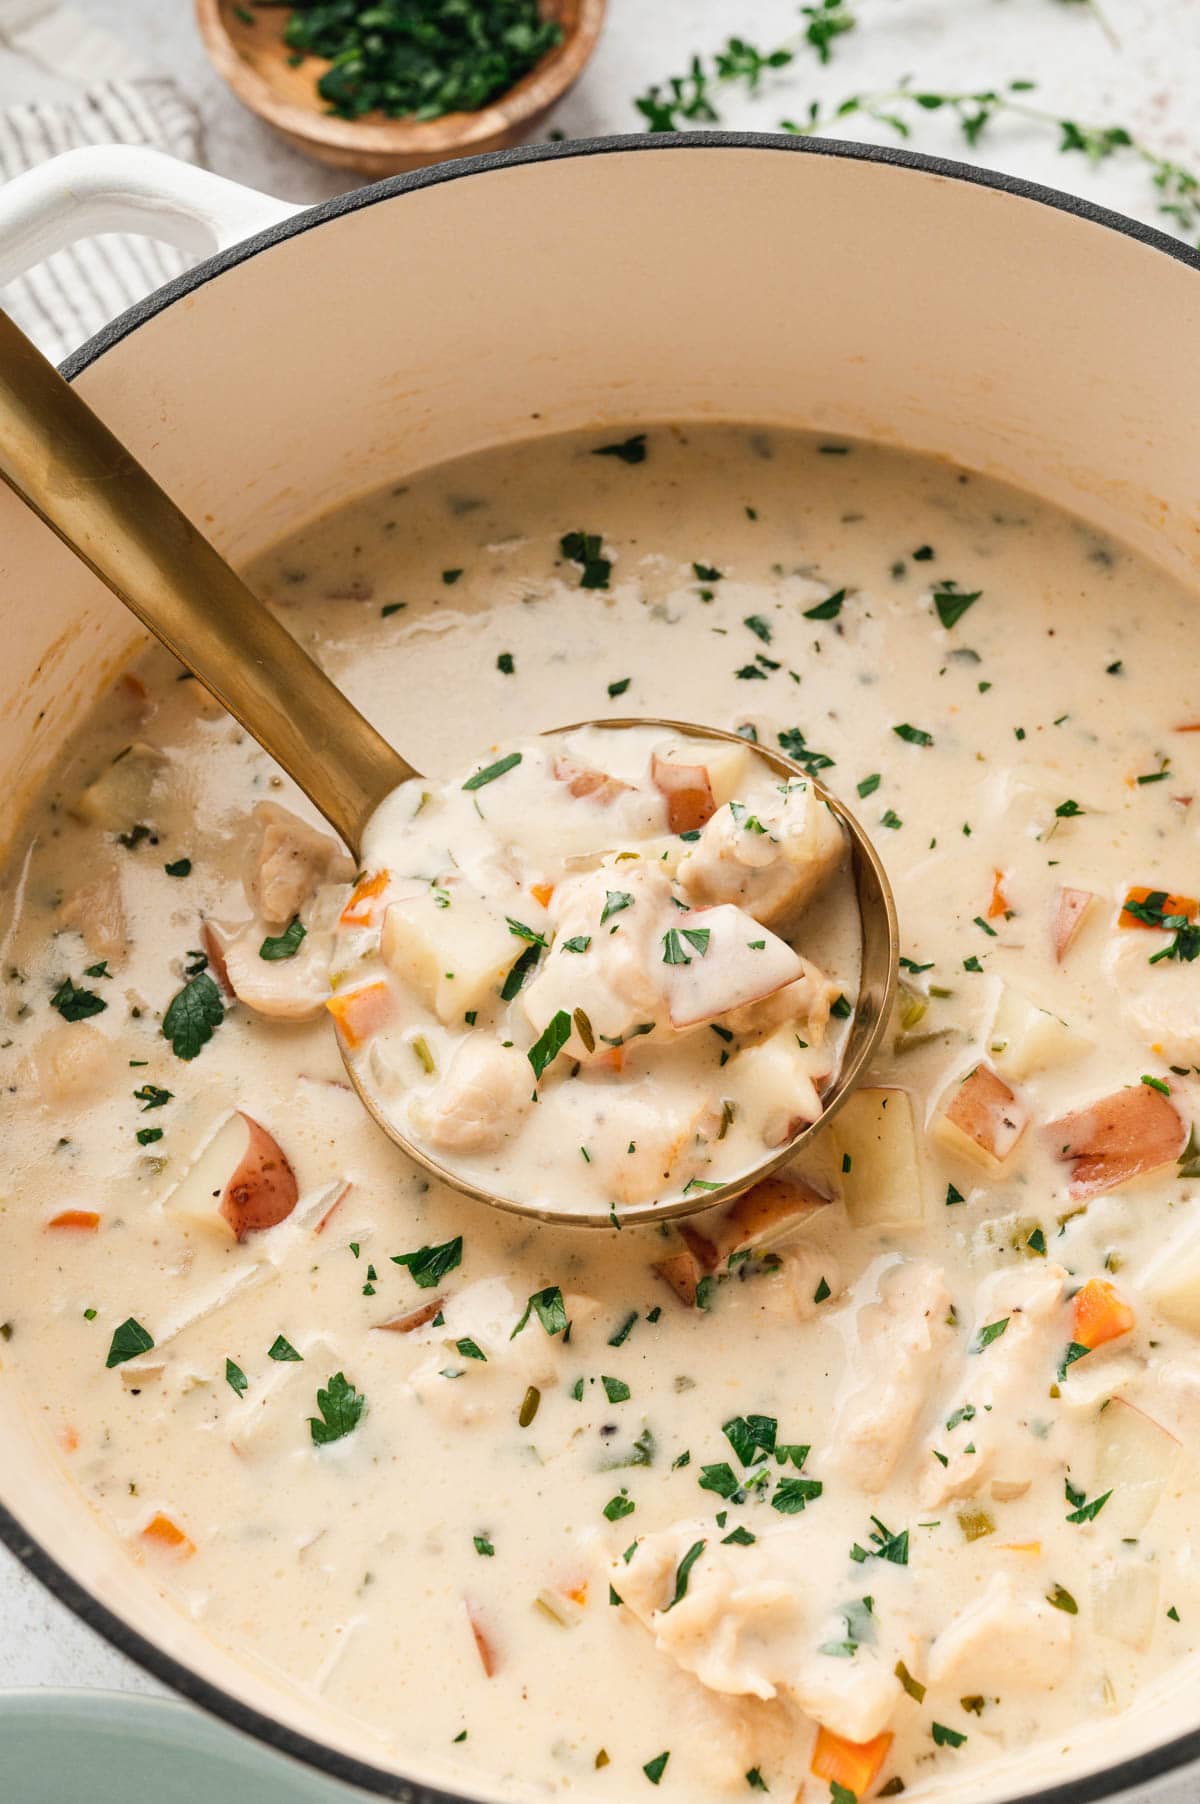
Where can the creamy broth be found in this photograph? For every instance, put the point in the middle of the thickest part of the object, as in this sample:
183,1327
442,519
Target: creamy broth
953,1372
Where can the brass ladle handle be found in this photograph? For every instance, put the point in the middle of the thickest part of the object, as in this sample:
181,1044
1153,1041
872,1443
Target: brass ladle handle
83,482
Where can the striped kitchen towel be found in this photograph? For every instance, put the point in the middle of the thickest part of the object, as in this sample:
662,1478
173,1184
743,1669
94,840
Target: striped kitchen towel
71,295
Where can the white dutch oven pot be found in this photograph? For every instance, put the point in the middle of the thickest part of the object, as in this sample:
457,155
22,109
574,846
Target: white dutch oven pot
856,291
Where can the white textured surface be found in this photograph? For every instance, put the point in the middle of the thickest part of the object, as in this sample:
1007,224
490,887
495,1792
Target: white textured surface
1148,80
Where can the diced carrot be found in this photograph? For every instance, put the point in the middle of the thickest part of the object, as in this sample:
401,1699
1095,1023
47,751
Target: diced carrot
1032,1548
578,1594
333,1208
86,1220
1192,727
542,892
164,1533
416,1318
612,1060
133,685
854,1764
360,908
1099,1314
360,1013
1070,908
1171,905
483,1646
68,1438
999,904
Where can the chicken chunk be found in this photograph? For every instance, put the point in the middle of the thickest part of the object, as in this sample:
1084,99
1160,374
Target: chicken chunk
123,795
97,910
75,1063
290,988
611,918
1002,1388
289,860
479,1103
771,863
742,1628
1007,1639
1160,1002
898,1340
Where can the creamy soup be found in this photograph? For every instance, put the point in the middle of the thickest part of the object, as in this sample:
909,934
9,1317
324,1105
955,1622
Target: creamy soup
559,973
870,1482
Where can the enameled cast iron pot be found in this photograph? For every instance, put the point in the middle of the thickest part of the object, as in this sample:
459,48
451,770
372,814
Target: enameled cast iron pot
715,276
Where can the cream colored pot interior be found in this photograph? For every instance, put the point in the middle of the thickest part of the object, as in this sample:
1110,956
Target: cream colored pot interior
717,282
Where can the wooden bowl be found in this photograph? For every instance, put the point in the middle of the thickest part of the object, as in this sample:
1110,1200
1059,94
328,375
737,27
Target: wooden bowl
253,58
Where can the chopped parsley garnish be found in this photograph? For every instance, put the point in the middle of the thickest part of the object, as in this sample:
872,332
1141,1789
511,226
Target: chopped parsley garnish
828,609
841,1009
751,1437
616,1390
619,687
953,1195
792,1494
719,1478
913,735
182,867
516,977
490,772
580,943
506,664
1066,811
193,1015
585,549
793,745
654,1769
470,1349
341,1408
1074,1351
550,1042
614,901
128,1341
75,1004
952,602
630,450
683,1572
235,1378
549,1308
988,1334
914,1687
151,1097
890,819
1062,1600
706,573
285,944
821,1292
869,785
759,627
946,1738
1085,1511
147,1136
430,1264
623,1332
522,932
483,1547
739,1537
618,1507
696,937
282,1349
972,963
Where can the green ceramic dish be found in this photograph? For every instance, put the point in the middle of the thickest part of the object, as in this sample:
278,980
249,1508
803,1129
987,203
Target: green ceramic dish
107,1747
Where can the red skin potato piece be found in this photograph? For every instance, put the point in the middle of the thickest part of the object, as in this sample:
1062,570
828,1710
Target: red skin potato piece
689,795
988,1112
583,782
1072,905
262,1191
1118,1138
416,1318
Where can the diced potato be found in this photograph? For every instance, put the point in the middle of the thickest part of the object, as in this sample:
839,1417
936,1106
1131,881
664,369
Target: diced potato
876,1137
286,989
769,1214
1172,1281
777,1080
1024,1038
980,1118
1136,1458
727,766
239,1182
772,863
289,860
1117,1138
687,790
734,961
122,796
76,1063
682,1271
1124,1596
1008,1639
450,947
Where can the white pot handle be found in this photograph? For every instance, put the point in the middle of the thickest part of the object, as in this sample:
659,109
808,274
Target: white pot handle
125,188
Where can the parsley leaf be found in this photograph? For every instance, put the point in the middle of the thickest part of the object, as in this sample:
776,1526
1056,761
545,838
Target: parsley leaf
630,450
235,1378
429,1264
76,1004
192,1016
128,1341
952,603
550,1043
341,1408
683,1572
792,1494
282,1349
285,944
550,1309
491,771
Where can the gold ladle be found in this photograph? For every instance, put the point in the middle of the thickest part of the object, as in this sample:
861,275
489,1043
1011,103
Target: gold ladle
88,487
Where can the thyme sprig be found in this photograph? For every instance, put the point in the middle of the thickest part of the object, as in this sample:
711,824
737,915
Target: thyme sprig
692,99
